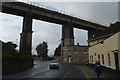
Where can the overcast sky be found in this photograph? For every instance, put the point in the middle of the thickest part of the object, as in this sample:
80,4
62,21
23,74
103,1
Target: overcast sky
102,12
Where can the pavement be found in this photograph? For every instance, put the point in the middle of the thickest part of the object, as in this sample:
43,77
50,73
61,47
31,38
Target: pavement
88,71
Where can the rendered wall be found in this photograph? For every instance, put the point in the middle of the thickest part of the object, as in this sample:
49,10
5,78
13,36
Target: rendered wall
109,45
119,48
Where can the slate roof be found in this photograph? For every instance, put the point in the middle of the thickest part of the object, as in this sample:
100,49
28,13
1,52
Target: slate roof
114,28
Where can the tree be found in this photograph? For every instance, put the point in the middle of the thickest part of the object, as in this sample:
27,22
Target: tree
58,51
42,50
9,48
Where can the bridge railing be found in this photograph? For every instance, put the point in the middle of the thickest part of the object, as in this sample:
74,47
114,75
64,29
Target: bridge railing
62,12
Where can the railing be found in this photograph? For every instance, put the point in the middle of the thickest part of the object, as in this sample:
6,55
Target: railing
62,12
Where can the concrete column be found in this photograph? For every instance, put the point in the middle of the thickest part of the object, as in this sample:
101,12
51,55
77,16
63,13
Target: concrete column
67,35
92,33
26,35
67,39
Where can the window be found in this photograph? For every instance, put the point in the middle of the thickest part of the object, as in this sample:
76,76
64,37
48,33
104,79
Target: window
98,57
65,50
95,56
76,50
69,50
77,58
102,58
109,61
92,58
84,50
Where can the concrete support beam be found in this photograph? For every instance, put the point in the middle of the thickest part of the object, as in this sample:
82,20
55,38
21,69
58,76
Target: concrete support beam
26,35
67,31
92,33
67,35
19,9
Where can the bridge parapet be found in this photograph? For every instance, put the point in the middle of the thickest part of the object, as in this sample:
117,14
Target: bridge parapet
62,12
40,13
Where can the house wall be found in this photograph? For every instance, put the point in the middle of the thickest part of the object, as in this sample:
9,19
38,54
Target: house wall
110,44
119,47
77,56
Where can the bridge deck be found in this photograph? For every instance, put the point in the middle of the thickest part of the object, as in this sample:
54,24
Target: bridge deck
20,9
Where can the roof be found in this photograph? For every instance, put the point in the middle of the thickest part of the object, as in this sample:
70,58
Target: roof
78,46
114,28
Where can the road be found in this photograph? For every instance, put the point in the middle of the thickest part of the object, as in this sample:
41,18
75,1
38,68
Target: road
41,70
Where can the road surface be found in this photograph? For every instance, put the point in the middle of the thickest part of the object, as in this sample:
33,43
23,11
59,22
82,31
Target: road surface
41,70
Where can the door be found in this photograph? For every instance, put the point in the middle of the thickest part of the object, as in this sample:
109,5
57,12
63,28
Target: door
116,61
69,59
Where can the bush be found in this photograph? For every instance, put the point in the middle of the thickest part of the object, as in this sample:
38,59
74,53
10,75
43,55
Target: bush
8,56
17,57
24,57
16,62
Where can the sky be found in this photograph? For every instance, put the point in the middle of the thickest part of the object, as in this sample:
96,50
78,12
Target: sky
100,12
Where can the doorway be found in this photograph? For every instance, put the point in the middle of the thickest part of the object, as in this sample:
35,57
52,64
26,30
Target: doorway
69,59
116,61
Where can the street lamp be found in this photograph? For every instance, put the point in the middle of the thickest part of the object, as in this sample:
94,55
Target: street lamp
99,42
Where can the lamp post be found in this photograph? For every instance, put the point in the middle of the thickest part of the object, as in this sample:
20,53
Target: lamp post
99,42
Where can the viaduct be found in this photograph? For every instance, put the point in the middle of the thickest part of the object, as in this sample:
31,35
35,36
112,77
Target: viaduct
30,12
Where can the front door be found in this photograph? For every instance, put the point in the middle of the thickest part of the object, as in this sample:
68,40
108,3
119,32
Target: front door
69,59
116,61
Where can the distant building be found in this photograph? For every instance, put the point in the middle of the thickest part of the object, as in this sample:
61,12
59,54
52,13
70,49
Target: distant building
105,47
75,54
71,53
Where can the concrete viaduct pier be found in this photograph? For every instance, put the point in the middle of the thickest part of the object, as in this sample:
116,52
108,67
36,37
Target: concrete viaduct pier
68,22
26,35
